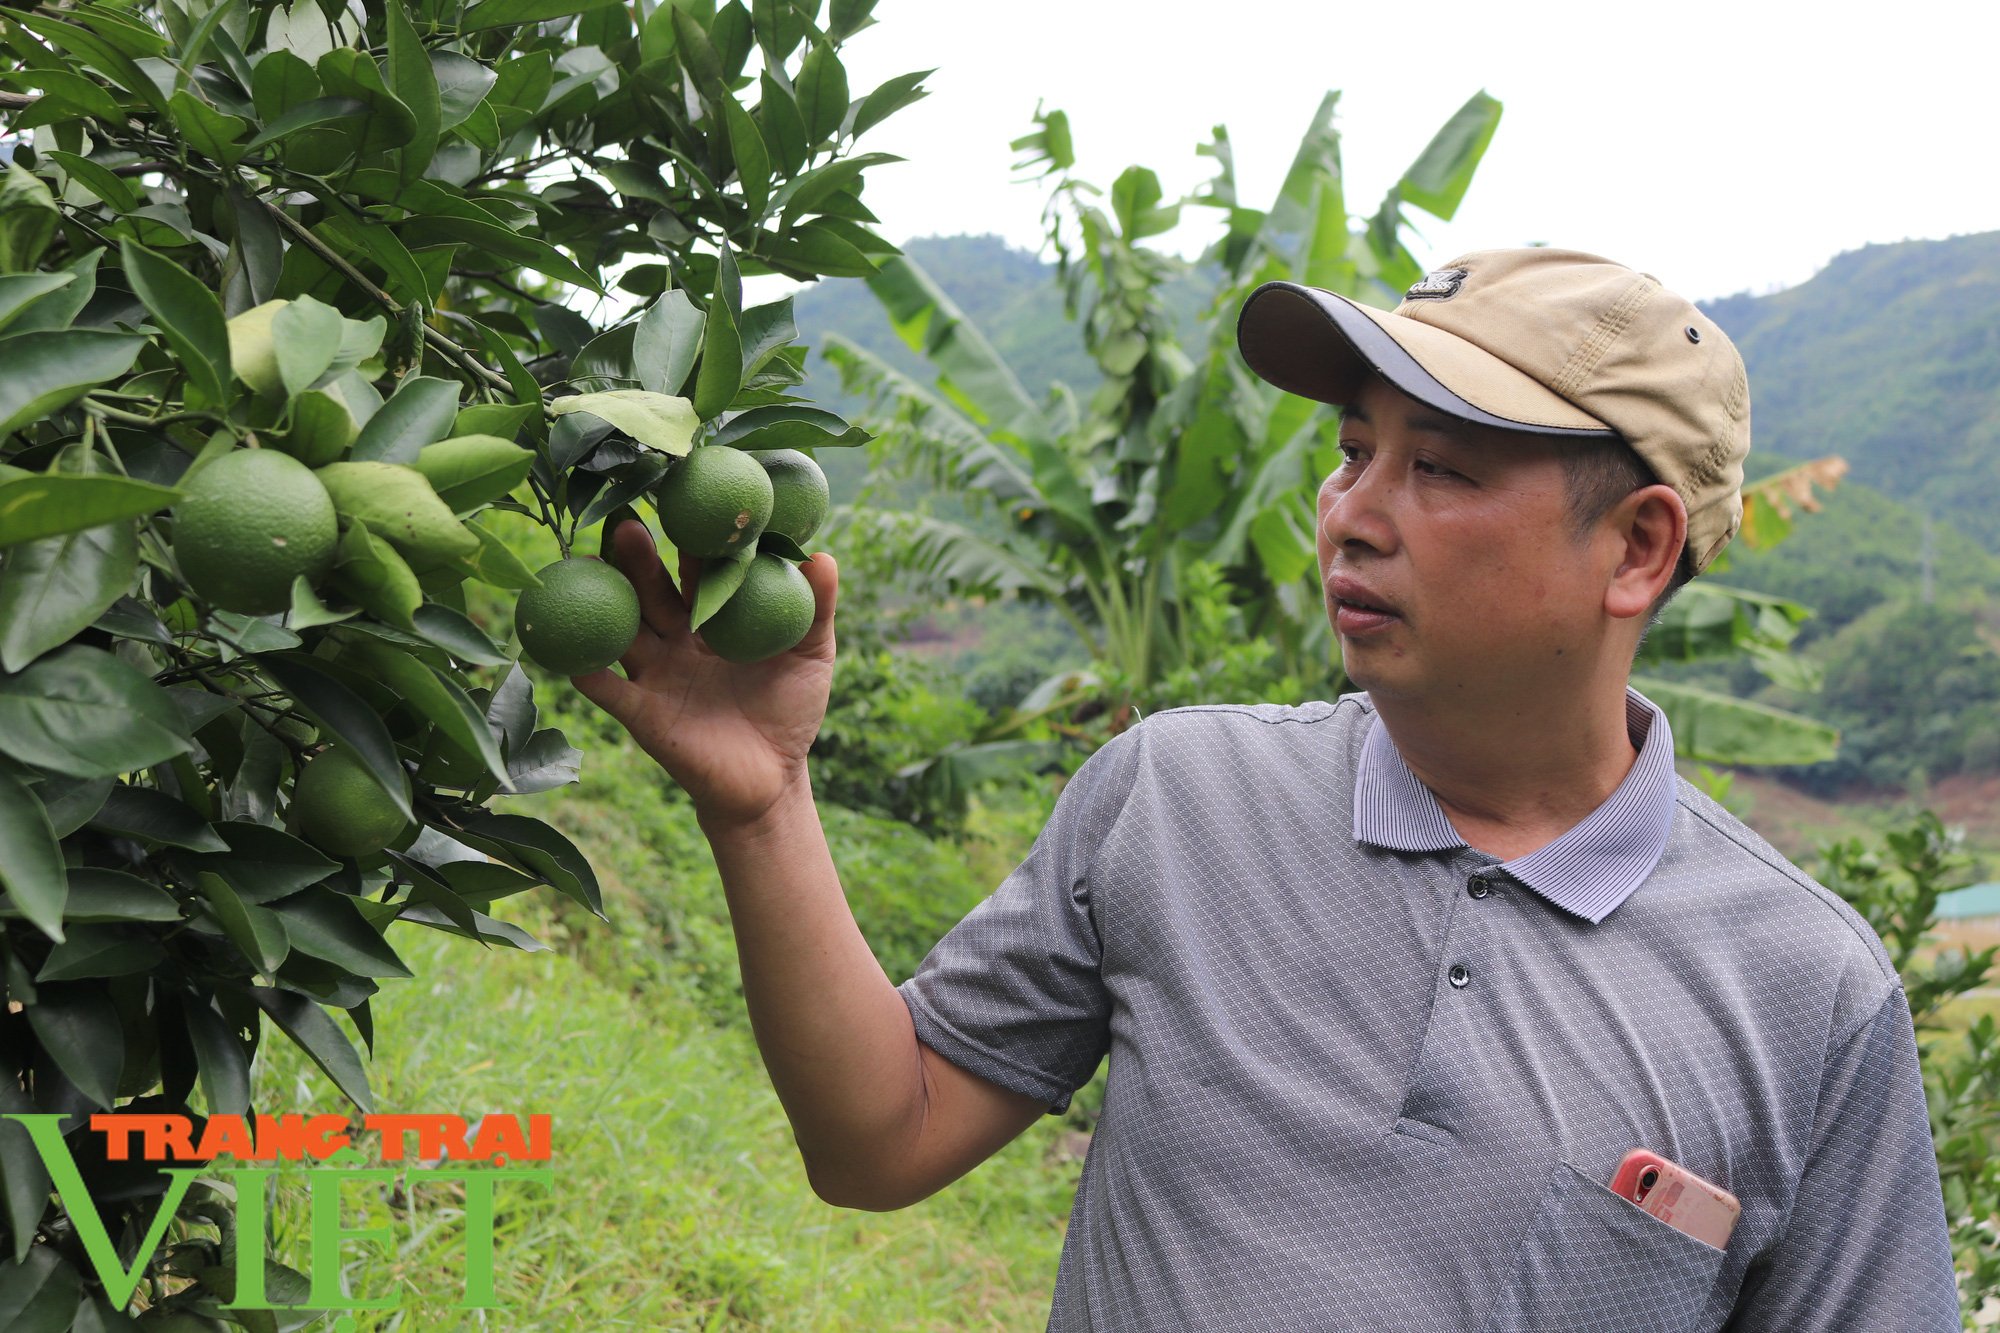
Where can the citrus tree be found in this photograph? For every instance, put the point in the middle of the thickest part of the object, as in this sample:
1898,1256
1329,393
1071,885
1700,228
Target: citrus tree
1168,516
301,307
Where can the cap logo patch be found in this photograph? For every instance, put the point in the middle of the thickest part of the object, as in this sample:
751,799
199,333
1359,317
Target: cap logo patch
1438,285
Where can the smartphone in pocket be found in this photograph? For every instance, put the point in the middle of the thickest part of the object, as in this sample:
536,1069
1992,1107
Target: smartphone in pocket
1677,1196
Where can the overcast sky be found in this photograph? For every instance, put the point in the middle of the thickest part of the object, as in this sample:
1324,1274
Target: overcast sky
1720,147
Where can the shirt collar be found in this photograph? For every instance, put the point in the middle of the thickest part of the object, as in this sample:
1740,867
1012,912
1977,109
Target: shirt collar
1589,870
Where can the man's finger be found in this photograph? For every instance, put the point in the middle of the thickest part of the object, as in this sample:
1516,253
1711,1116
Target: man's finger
638,559
823,574
611,692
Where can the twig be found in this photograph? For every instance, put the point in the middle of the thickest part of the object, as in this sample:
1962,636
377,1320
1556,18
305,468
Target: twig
444,345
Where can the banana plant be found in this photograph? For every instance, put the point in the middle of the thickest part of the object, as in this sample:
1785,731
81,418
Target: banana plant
1181,460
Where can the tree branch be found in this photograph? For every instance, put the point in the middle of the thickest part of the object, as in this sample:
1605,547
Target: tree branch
443,344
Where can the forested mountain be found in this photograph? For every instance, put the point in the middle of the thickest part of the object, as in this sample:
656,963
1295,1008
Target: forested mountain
1889,357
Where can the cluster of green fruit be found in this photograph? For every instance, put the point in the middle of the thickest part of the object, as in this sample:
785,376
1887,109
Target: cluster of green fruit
715,503
253,521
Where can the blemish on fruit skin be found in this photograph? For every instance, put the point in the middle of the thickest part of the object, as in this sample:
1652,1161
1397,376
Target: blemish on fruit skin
277,541
742,520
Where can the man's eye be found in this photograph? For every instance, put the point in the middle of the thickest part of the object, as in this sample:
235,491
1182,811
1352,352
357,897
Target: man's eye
1430,469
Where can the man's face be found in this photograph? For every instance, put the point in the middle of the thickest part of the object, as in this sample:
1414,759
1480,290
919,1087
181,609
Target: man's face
1460,533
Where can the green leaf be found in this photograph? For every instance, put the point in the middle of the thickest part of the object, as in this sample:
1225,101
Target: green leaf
83,712
257,931
262,863
186,311
306,337
153,816
102,951
416,87
357,237
849,17
45,505
327,926
494,241
533,846
719,581
698,56
658,420
786,427
454,632
784,129
44,1293
55,312
420,412
515,13
309,1026
225,1065
31,862
1718,729
49,371
546,762
512,710
342,715
502,419
889,98
71,802
495,562
1437,181
78,1026
437,698
210,132
307,115
100,55
721,371
375,575
462,84
98,895
113,189
53,588
390,123
472,470
753,160
18,291
822,93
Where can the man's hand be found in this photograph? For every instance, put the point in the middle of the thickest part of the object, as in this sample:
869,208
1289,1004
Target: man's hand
734,735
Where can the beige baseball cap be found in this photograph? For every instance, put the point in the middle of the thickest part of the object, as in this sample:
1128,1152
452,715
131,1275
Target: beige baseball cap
1552,342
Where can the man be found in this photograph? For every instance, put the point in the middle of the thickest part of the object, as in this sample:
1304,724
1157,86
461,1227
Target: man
1389,985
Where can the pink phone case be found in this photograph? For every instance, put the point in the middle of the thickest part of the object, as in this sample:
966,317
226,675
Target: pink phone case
1677,1196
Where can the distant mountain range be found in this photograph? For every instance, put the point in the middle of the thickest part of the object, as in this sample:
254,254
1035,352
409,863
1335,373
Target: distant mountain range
1889,357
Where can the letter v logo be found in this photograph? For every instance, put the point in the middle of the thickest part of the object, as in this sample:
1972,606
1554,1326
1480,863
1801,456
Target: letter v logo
46,1131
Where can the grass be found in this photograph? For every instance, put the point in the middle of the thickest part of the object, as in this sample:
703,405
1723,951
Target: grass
680,1199
680,1202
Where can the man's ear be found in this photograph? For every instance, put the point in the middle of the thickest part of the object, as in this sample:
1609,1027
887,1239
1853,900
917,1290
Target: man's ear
1650,527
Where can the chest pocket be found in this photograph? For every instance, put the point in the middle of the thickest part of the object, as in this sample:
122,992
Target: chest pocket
1594,1261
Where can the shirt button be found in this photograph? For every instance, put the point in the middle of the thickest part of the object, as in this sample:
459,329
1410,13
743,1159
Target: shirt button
1478,888
1460,977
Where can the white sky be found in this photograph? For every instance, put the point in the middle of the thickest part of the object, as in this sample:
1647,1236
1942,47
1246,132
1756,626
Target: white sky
1721,147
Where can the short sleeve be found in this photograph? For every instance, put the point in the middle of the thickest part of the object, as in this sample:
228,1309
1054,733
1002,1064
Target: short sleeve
1014,992
1866,1247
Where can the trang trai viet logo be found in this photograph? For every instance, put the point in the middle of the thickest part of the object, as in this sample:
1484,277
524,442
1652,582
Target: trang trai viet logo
249,1152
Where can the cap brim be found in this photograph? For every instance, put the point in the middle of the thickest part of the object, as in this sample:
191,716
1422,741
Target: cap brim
1322,346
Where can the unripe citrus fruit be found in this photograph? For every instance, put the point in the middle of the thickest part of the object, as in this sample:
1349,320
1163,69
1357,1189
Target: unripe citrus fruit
799,493
767,614
340,809
248,524
584,616
253,352
714,502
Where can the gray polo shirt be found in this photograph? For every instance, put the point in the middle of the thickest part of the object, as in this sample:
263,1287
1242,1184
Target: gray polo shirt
1365,1077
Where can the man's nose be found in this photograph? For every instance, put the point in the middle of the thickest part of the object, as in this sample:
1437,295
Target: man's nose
1361,513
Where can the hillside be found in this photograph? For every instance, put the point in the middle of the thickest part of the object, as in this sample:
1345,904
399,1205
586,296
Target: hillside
1890,357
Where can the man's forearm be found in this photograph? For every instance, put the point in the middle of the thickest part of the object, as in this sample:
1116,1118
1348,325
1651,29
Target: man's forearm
836,1038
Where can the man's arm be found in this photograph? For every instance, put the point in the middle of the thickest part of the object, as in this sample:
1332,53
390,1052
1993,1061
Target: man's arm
881,1120
1866,1248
